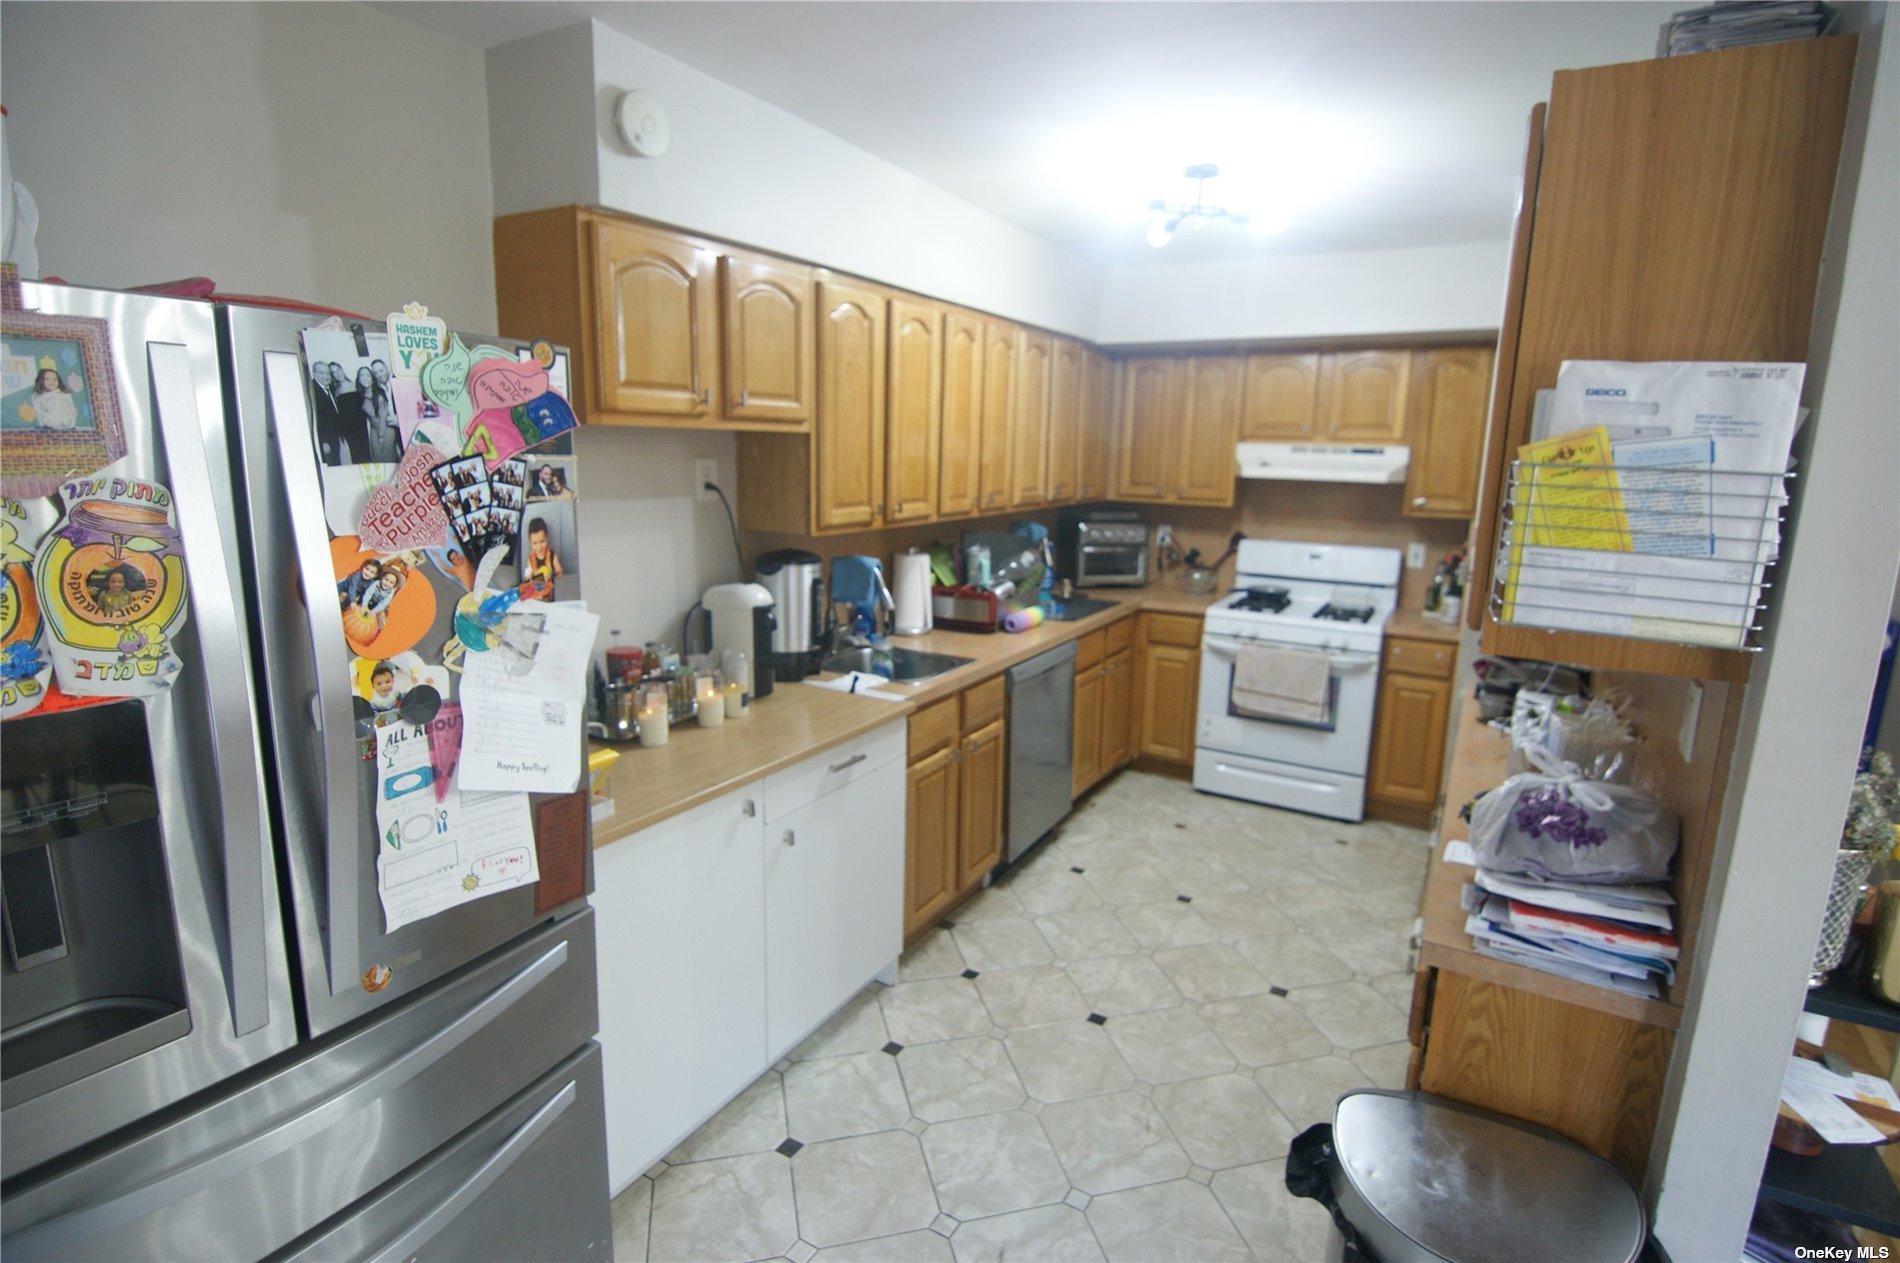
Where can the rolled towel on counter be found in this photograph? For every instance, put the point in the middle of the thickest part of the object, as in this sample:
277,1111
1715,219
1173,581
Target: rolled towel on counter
1023,620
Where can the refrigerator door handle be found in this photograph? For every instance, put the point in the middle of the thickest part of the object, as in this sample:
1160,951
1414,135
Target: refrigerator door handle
330,657
424,1229
64,1234
221,637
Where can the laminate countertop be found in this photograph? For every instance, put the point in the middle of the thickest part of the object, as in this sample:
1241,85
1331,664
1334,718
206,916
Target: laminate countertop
651,784
1414,624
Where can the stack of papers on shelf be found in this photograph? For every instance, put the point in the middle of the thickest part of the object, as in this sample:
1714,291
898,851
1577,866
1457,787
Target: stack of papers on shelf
1648,502
1620,937
1742,22
1821,1098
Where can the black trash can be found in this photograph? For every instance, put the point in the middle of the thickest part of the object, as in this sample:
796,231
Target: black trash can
1412,1178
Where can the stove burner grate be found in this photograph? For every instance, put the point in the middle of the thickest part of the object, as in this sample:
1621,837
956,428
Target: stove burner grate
1345,613
1264,601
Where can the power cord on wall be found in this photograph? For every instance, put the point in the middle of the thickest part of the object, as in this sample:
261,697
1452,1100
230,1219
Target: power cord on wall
737,550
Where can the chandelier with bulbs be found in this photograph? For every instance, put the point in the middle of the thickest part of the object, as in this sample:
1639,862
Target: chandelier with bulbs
1169,217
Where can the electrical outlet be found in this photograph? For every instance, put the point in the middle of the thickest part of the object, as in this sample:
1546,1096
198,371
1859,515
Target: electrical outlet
1691,718
1415,556
705,470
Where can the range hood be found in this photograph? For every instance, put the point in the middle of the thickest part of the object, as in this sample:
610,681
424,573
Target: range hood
1324,462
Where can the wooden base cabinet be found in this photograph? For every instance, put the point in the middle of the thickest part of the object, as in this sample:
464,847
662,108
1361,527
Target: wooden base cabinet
1104,697
1408,731
1169,687
954,830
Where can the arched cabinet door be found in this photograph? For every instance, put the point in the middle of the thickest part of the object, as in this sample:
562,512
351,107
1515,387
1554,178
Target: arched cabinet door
655,332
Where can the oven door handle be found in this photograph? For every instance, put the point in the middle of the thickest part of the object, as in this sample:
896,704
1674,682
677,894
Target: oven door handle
1341,663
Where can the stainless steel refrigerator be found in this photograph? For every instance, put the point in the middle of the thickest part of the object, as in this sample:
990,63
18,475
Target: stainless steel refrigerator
212,1048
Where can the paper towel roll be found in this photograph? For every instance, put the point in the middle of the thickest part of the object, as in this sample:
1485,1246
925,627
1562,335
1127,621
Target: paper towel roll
911,594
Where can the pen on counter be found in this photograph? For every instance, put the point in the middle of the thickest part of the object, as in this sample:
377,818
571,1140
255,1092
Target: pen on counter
854,684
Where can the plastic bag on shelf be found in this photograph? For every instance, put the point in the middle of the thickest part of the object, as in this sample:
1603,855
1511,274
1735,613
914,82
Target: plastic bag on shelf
1554,823
1592,735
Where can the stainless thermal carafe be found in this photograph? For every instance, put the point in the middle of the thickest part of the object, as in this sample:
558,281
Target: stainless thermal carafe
796,580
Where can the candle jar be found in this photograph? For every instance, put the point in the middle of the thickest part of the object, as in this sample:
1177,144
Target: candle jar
738,701
711,696
653,716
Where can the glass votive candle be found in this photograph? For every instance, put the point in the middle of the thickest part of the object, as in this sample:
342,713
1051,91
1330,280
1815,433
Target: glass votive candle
712,700
738,701
652,716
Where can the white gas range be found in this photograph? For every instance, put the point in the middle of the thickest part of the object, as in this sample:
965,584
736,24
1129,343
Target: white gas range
1320,598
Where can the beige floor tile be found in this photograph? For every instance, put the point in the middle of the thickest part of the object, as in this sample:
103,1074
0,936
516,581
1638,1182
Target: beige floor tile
1170,924
1044,1234
632,1213
987,905
844,1096
1108,1143
857,1027
1305,1091
1262,1030
1239,916
1198,876
1126,884
940,1008
727,1208
1385,1064
1352,1014
958,1078
1001,943
866,1186
1373,947
993,1164
1168,1044
1114,985
1210,971
1176,1222
753,1122
1035,996
1272,866
935,956
1053,888
907,1247
1280,1227
1224,1120
1397,988
1080,935
1320,907
1060,1063
1293,960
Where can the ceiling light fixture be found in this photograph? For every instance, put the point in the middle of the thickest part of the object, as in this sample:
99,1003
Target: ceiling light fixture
1167,218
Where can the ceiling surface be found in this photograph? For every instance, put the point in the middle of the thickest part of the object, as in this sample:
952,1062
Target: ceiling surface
1378,125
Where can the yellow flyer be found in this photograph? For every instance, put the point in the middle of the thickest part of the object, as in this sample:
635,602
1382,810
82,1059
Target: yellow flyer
1567,497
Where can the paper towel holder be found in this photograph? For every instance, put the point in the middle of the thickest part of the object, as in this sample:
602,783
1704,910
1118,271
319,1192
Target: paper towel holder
911,584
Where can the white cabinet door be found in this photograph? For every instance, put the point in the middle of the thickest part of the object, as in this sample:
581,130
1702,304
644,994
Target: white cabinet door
682,979
834,899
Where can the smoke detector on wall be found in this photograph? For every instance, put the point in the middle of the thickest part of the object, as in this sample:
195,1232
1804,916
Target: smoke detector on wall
641,123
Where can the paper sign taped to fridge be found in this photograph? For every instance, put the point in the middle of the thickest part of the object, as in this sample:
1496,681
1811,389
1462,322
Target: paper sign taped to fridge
523,704
436,850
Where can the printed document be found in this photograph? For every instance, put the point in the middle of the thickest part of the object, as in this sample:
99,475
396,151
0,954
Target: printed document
524,702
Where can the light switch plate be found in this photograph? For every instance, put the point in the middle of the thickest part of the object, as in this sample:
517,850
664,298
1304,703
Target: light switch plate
1691,718
1415,556
705,470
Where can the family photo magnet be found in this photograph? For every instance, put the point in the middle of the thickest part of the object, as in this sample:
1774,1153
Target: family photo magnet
415,338
25,670
59,410
386,602
110,577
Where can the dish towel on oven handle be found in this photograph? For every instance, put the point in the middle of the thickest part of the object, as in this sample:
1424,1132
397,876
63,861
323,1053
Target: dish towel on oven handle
1279,683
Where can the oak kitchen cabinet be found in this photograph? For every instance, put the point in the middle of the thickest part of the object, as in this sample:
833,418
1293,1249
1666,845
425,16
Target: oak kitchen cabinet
1365,396
960,464
1067,364
1095,428
1280,397
1168,687
1409,727
1152,397
765,305
1104,698
1029,437
954,829
1450,388
914,411
848,439
1180,420
1000,356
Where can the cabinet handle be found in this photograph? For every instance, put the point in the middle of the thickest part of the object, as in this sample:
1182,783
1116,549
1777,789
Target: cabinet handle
745,397
750,809
790,838
853,761
956,756
878,510
978,745
705,397
1418,502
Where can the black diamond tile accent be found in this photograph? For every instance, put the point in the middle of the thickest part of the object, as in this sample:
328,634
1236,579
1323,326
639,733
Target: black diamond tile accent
1277,990
788,1146
948,925
1098,1019
1184,898
1179,825
893,1048
969,973
1074,869
1341,842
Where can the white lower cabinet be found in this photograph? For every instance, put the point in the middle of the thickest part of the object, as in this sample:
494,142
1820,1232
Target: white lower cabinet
722,945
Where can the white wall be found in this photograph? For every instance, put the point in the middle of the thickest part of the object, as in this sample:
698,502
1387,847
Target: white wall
324,152
1803,714
1435,289
541,121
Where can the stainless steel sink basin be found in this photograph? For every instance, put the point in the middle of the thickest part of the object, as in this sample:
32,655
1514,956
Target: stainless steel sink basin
903,665
1077,607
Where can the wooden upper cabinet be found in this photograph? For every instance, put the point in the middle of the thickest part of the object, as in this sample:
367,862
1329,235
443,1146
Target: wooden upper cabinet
1095,427
959,460
1280,397
848,442
1000,340
1365,396
1029,440
1151,404
1450,389
1210,426
915,401
1066,371
655,331
770,361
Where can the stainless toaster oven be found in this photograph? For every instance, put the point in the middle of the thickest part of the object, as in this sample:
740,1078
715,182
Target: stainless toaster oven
1104,548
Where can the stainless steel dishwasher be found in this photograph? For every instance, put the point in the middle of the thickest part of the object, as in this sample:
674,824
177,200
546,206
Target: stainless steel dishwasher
1041,742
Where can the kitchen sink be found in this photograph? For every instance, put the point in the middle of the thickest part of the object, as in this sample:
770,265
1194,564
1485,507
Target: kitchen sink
903,665
1076,607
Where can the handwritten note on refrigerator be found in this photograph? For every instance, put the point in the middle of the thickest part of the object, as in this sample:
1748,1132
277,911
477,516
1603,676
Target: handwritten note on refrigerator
524,703
436,850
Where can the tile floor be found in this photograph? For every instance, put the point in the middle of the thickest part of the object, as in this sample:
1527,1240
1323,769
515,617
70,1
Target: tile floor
1101,1058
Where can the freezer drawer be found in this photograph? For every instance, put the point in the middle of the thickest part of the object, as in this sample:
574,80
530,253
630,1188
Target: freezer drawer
527,1182
250,1171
